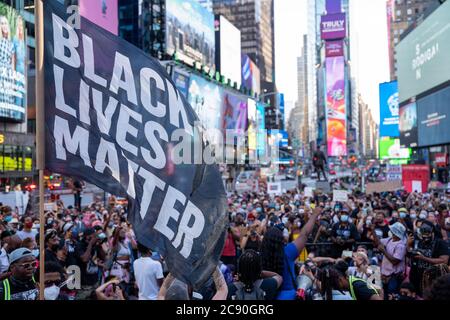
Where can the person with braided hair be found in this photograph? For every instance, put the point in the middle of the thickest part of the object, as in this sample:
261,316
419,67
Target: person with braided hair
253,282
280,258
334,283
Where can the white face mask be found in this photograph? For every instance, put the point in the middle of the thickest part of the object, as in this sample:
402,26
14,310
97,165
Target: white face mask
51,293
284,220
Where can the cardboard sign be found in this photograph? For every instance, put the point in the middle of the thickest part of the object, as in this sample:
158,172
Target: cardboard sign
50,206
309,192
340,195
417,186
385,186
274,188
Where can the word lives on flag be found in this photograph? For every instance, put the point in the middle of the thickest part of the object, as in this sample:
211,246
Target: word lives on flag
111,113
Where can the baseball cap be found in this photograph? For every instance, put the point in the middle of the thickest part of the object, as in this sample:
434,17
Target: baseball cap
67,226
403,210
19,254
14,220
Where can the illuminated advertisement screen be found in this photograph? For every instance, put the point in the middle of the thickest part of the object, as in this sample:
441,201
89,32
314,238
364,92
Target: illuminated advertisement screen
408,125
334,48
390,149
252,124
103,13
332,26
12,65
229,55
250,74
190,32
335,107
389,109
234,112
433,113
423,55
206,99
181,82
261,125
281,136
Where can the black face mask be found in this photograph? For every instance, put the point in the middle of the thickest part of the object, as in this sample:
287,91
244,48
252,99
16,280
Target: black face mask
405,298
54,247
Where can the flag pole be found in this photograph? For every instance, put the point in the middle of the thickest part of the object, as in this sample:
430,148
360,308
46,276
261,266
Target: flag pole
40,133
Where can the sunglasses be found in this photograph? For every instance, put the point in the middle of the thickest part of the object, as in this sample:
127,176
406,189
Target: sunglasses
50,283
28,265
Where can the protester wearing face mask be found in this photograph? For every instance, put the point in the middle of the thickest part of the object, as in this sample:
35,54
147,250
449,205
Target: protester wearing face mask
405,219
343,235
426,251
53,281
393,266
51,246
27,231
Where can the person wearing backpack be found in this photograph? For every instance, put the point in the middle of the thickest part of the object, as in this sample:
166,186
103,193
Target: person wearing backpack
254,283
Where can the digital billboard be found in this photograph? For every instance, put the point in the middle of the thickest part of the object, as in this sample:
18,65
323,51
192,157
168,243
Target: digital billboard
336,107
261,125
390,149
389,109
250,74
252,124
334,48
12,65
104,13
206,99
234,112
181,82
190,32
333,27
423,55
228,38
281,136
408,125
433,113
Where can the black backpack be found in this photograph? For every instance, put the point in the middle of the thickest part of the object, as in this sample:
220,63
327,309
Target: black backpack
256,294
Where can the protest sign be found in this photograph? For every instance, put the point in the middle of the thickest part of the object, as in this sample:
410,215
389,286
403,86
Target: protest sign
274,188
385,186
309,192
340,195
114,118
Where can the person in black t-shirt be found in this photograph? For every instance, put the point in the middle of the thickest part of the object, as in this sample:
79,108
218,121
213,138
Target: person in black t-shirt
20,285
250,271
343,235
91,259
426,251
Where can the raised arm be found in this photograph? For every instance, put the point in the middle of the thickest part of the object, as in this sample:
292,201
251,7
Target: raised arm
300,242
221,286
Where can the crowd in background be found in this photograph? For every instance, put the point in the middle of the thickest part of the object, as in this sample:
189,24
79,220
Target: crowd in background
385,246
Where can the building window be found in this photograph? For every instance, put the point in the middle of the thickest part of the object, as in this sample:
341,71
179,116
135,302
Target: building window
399,13
409,11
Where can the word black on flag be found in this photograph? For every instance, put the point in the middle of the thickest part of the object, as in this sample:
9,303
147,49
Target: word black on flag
112,115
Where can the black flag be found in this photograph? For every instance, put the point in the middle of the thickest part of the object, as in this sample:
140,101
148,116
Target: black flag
113,117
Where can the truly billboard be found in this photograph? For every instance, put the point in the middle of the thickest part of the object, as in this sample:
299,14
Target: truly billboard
423,55
336,107
104,13
333,27
389,109
228,38
408,125
390,149
190,32
433,117
12,65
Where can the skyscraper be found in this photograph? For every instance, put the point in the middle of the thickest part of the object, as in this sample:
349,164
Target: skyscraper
302,95
401,14
255,20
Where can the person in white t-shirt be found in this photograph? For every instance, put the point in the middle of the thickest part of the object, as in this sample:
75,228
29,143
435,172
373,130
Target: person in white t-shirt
148,273
27,231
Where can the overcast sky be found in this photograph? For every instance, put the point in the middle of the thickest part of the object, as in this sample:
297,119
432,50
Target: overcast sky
369,56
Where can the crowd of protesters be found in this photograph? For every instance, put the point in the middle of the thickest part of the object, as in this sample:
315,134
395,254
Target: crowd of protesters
383,246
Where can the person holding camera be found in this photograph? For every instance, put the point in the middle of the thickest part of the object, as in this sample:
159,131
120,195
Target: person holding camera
110,290
393,265
425,251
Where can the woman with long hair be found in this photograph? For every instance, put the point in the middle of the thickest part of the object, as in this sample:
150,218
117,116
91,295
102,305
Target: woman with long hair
280,257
